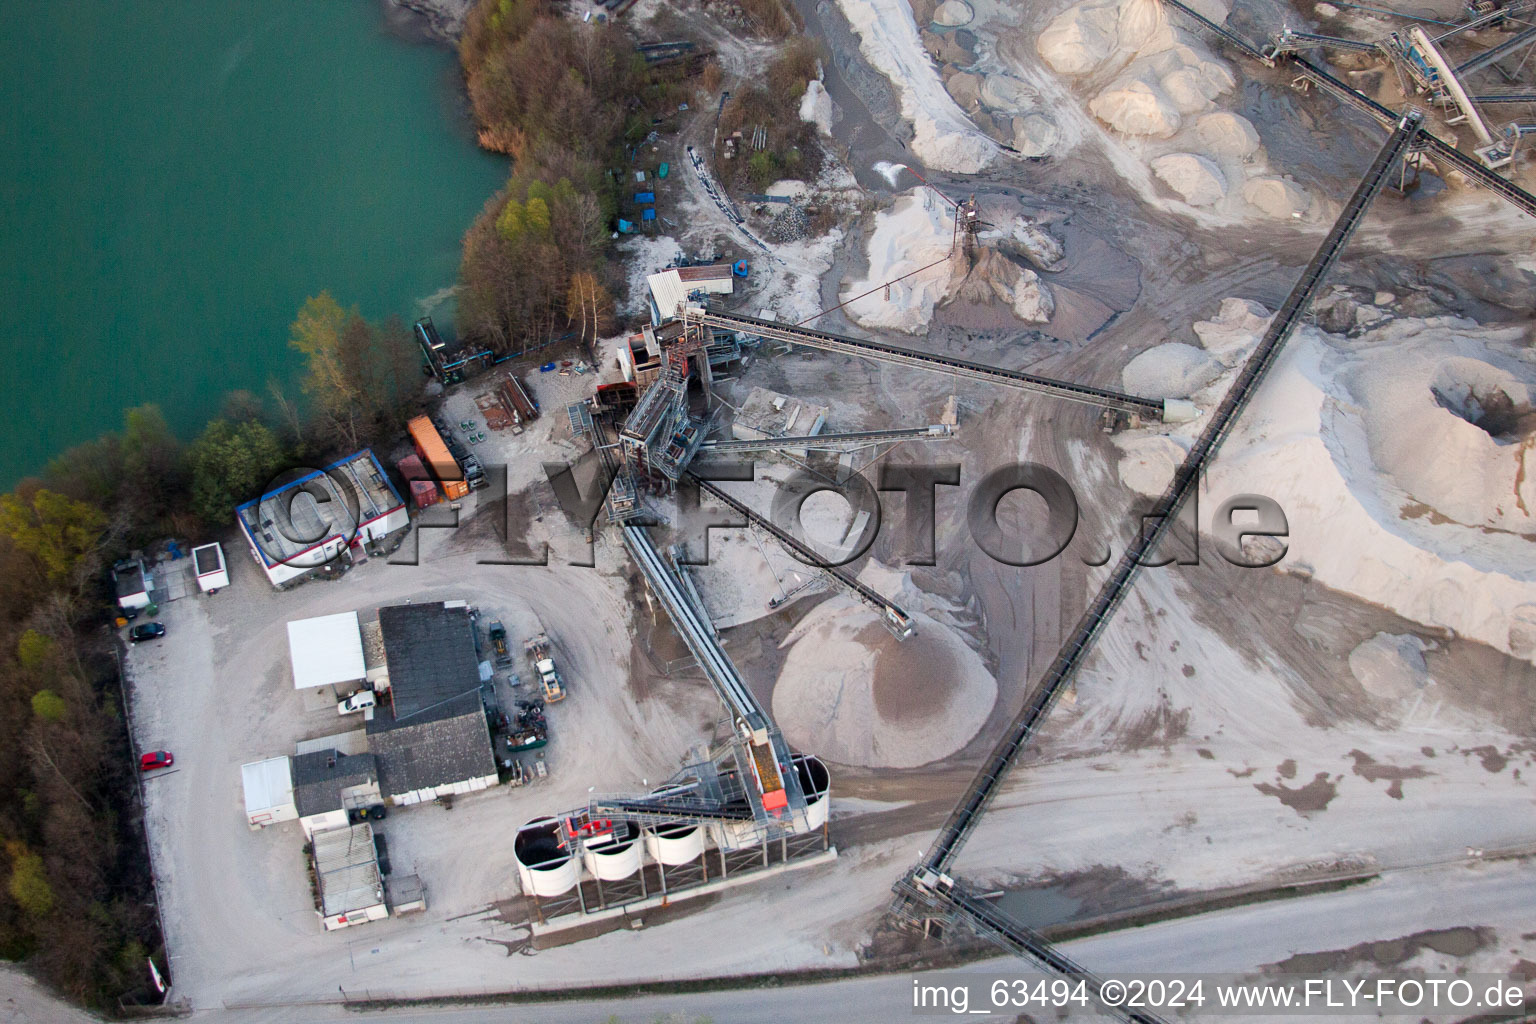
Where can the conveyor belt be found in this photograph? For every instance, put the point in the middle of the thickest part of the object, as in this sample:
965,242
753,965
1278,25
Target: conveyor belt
700,640
793,335
736,444
1185,480
1283,43
991,923
896,620
1505,97
1497,53
1495,183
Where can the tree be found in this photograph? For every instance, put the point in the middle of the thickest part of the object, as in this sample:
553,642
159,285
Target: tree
49,706
360,378
34,649
29,885
152,469
230,463
58,532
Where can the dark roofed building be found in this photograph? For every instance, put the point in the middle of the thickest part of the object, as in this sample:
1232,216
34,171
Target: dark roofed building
432,739
328,783
430,651
447,751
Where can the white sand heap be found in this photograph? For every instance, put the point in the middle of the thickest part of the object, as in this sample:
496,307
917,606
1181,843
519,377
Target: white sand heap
943,137
1275,197
1390,665
1081,38
953,13
1192,176
916,231
1405,461
1147,462
1008,94
1234,331
1035,135
1224,133
853,693
1170,370
1135,105
1037,243
816,106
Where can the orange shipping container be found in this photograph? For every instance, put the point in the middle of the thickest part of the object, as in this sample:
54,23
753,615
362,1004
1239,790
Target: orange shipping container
430,446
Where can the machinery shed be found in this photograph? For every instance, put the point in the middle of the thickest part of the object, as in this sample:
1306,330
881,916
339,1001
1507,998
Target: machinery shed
326,651
351,890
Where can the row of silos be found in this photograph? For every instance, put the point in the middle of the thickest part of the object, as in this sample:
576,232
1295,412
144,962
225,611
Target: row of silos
547,866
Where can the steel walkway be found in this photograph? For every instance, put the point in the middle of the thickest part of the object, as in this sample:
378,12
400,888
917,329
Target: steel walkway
1185,480
935,432
895,619
805,336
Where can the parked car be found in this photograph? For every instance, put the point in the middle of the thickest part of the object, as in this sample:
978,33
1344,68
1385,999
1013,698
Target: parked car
357,702
156,759
148,631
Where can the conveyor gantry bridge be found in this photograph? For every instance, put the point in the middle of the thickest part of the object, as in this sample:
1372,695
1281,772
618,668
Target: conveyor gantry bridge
777,795
795,335
930,881
828,442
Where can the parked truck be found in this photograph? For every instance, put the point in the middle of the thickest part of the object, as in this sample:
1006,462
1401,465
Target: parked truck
435,454
541,652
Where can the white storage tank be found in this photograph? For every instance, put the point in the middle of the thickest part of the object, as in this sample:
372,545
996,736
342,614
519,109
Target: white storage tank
676,842
619,857
544,864
816,783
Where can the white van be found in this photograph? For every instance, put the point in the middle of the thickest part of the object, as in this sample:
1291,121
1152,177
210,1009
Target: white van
359,701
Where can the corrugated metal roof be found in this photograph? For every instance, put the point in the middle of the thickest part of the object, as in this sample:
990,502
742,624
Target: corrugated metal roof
347,870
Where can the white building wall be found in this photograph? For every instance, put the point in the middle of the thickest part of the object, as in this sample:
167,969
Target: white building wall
321,822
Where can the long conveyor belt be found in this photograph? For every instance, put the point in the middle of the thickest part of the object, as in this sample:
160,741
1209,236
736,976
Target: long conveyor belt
896,620
795,335
1496,183
1185,480
935,432
993,924
1497,53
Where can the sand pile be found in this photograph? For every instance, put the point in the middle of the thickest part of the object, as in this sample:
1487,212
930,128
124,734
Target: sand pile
855,695
1008,94
953,13
1170,370
816,106
1147,462
1224,133
943,137
1081,38
1231,335
1404,459
1137,105
1034,243
1192,176
993,277
916,231
1390,665
1035,135
1277,197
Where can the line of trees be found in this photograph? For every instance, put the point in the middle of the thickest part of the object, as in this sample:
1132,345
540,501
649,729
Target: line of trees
76,901
566,100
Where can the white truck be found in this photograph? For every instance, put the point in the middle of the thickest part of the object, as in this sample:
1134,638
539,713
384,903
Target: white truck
541,652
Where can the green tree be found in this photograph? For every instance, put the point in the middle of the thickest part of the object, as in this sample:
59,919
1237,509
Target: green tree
58,532
28,884
152,469
230,463
34,648
49,706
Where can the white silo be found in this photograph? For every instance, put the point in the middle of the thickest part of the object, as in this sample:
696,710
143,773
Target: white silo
675,843
816,783
617,857
544,862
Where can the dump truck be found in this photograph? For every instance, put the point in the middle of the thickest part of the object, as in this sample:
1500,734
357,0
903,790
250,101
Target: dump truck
499,645
541,653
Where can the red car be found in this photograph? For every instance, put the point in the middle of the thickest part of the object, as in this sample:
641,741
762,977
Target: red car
156,759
